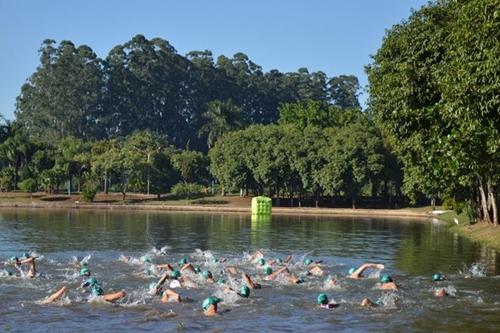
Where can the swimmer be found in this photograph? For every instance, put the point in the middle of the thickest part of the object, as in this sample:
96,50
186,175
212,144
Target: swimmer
366,302
243,292
55,296
85,271
188,267
309,261
358,273
209,306
96,290
256,256
386,283
260,263
316,271
166,267
27,260
183,261
324,303
170,296
232,270
207,275
248,281
438,277
441,292
270,275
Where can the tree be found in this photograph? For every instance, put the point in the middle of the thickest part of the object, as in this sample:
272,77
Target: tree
192,166
344,91
63,97
16,149
221,117
28,185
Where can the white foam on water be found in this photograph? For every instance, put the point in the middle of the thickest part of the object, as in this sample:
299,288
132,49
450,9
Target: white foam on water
474,270
388,300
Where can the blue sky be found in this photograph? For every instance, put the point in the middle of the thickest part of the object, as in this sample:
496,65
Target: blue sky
335,36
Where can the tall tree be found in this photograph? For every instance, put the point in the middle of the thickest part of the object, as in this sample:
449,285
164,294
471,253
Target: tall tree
221,117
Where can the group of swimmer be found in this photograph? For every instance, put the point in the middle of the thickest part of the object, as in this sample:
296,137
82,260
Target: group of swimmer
186,274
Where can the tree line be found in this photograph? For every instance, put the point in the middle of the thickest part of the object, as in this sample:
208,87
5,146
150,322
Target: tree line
434,93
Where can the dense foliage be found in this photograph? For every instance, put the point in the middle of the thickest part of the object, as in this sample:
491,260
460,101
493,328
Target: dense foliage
434,91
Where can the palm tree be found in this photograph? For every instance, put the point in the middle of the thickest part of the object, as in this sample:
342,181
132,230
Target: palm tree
221,117
15,147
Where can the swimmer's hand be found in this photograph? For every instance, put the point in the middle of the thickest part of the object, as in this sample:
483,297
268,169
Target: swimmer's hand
380,266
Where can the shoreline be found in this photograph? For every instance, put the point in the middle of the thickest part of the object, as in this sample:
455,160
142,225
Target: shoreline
401,213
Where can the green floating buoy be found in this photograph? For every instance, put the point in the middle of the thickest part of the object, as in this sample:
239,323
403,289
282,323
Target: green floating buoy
261,205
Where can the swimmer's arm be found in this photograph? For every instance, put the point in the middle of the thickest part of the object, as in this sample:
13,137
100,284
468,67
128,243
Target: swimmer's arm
166,266
357,273
27,261
256,255
273,275
287,260
55,296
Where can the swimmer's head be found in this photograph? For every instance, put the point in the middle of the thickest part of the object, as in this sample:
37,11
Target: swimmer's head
308,261
197,269
183,261
85,272
221,281
261,262
322,299
176,274
207,274
26,255
268,270
212,300
244,291
215,259
148,271
352,270
279,261
146,259
385,278
13,259
438,277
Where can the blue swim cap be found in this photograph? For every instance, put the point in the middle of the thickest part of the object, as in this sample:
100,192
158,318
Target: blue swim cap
212,300
26,255
85,272
437,277
322,299
261,262
308,261
352,270
207,274
244,291
385,278
183,261
268,270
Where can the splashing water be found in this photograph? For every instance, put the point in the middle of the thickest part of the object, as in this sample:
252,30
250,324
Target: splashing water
474,270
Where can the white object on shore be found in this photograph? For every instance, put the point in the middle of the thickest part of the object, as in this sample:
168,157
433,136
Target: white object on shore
456,220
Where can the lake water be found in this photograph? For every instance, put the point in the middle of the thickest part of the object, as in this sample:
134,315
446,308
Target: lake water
411,250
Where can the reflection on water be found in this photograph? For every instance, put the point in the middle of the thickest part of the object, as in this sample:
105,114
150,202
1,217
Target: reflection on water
411,251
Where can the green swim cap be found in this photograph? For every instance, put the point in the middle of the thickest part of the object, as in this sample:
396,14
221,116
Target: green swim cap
197,269
244,291
279,261
183,261
268,270
261,262
176,274
207,274
216,259
84,271
221,281
148,271
308,261
352,270
146,259
212,300
437,277
92,281
13,259
322,299
96,290
26,255
385,278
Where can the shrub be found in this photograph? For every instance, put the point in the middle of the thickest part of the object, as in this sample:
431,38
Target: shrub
188,190
89,189
470,212
28,185
449,203
6,178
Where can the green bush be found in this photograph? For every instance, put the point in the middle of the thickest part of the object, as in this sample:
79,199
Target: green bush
449,204
470,212
89,189
28,185
6,178
188,190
